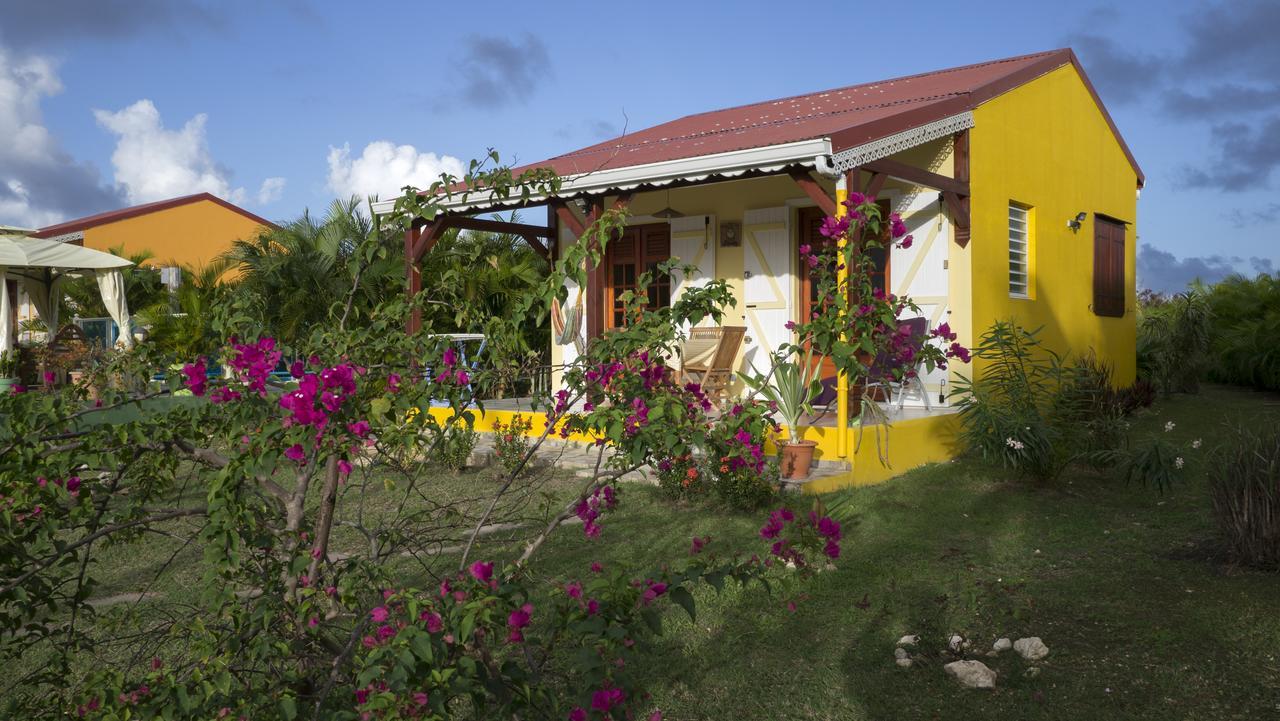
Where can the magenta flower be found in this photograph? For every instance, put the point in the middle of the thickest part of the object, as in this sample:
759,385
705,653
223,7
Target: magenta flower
699,544
896,227
832,227
832,549
450,357
379,614
420,698
481,571
435,624
344,467
578,714
393,382
195,375
295,453
50,377
653,591
596,567
607,698
463,378
517,621
359,429
593,607
573,589
906,242
297,368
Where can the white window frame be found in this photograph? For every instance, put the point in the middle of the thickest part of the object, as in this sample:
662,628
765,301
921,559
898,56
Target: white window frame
1019,251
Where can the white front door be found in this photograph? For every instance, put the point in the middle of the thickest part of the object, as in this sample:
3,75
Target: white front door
767,282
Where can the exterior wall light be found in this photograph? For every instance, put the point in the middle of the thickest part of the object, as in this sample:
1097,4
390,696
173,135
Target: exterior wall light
1074,223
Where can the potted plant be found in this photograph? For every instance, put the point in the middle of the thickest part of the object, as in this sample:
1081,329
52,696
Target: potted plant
791,387
8,370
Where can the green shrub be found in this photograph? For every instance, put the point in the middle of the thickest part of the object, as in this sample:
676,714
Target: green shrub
1244,481
745,488
456,445
1246,321
1036,413
511,443
682,478
1173,341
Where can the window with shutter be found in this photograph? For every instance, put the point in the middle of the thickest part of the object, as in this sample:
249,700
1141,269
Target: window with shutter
1019,251
637,250
1108,267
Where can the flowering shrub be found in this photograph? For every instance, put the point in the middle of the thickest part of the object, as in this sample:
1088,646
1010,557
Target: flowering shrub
741,475
300,608
682,477
511,443
457,442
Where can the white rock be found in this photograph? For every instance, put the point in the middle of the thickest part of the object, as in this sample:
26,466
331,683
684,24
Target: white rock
972,674
1032,672
1032,649
900,653
955,643
1001,644
903,662
908,640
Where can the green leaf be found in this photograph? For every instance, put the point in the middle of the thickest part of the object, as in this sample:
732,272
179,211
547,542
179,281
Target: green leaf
288,708
681,596
653,620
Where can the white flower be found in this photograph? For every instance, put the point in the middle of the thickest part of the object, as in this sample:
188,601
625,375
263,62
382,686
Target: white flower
1014,443
1177,462
1168,426
1195,443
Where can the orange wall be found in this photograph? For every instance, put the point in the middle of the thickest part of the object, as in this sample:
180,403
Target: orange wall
191,234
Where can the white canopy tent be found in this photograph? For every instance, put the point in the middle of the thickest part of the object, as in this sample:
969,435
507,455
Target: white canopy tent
42,265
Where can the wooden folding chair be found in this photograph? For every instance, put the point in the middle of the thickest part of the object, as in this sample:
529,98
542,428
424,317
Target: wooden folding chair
708,359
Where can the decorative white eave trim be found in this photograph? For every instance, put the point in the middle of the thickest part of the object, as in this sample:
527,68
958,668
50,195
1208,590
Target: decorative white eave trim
896,143
68,237
727,165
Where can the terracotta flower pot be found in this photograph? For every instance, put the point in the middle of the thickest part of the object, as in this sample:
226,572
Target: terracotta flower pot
797,457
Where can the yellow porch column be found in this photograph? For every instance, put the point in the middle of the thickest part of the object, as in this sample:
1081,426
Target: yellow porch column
842,287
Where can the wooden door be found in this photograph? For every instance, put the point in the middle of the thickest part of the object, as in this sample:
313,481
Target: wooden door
637,250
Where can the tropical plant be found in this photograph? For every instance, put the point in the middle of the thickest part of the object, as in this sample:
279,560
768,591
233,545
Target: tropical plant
1246,323
9,363
1244,483
1173,341
304,275
142,288
183,327
790,385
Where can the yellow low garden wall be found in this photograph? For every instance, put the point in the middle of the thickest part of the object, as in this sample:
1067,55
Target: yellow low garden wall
909,444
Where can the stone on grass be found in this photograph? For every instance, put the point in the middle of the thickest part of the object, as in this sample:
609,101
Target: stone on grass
908,640
1032,672
956,643
1032,649
903,662
900,653
972,674
1001,644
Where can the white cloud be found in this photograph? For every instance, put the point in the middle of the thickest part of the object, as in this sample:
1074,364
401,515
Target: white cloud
383,168
271,190
153,163
40,183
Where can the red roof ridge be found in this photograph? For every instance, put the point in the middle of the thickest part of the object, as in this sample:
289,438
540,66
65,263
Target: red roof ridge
112,216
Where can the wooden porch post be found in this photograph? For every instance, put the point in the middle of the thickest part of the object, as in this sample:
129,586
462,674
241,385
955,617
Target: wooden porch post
842,287
413,274
960,171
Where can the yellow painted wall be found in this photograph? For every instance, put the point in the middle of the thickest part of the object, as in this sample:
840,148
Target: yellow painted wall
1046,144
190,234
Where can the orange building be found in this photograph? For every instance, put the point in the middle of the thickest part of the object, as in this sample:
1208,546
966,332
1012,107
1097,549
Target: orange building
190,230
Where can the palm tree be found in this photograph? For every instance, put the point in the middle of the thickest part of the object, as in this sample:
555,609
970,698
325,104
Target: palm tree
184,326
298,276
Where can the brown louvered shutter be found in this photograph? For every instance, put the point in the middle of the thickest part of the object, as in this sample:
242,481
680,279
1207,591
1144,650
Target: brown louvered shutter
1108,267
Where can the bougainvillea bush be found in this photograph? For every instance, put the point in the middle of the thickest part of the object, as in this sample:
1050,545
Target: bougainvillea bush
330,570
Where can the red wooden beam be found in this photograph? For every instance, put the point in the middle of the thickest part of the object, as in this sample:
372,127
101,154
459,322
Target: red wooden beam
496,226
875,184
960,169
413,275
919,176
812,189
427,238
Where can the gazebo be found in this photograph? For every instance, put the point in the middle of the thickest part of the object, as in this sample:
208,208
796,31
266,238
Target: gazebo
42,265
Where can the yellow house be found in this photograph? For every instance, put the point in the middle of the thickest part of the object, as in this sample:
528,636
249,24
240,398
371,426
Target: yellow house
190,230
1011,175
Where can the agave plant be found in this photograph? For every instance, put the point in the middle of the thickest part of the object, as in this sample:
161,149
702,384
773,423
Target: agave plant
791,385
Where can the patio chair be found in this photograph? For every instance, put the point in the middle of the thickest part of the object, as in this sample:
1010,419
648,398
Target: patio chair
708,358
880,374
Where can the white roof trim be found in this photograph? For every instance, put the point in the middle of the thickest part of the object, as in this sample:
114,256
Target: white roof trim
729,165
890,144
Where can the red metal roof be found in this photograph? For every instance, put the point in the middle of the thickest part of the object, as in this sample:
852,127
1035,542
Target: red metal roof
111,216
850,116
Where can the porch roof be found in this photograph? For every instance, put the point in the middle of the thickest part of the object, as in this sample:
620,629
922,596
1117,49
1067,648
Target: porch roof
859,122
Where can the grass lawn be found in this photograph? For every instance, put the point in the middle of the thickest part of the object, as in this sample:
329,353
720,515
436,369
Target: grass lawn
1140,620
1121,583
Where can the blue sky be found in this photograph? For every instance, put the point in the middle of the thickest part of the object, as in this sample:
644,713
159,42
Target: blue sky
104,103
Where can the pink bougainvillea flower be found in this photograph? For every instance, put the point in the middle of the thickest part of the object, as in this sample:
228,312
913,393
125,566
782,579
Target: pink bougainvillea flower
379,614
578,714
463,378
699,543
297,368
360,428
906,242
517,621
832,549
652,592
481,571
596,567
450,357
393,382
607,698
420,698
655,716
344,467
195,376
573,589
435,623
593,607
295,453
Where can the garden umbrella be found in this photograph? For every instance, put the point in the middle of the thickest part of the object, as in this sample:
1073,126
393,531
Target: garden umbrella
42,265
